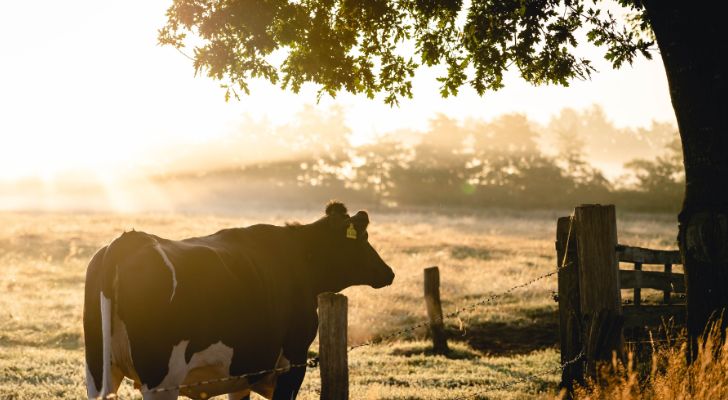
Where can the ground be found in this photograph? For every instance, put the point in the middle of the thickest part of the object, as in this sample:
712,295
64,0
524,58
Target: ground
512,340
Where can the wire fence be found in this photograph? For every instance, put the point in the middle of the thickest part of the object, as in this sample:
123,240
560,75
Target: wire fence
314,361
226,379
452,314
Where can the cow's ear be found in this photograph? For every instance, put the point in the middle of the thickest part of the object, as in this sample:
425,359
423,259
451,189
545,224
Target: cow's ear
360,220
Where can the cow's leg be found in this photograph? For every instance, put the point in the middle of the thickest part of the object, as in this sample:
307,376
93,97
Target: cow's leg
241,395
288,384
295,349
116,378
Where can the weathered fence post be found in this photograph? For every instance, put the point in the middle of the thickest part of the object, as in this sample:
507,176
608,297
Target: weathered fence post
434,310
334,365
666,293
569,308
637,298
636,333
600,296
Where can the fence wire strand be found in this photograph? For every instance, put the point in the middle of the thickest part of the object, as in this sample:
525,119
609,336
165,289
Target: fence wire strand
313,362
472,306
453,314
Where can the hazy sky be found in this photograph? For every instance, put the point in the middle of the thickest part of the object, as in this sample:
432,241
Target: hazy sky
84,85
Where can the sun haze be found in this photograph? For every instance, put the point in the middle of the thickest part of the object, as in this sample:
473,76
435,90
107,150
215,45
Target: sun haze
86,91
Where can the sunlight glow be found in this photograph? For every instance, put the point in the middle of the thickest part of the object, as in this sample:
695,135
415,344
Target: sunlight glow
89,90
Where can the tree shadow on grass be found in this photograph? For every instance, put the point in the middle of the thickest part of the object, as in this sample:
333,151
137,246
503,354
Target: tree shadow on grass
539,331
455,353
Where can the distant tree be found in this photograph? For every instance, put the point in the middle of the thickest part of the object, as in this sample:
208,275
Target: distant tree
442,144
591,135
323,135
503,150
378,167
361,47
570,142
569,137
662,176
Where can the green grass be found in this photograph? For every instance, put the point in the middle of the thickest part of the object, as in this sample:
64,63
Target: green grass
42,267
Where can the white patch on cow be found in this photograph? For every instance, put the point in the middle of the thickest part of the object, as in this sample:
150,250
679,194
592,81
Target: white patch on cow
106,386
177,367
211,363
216,356
205,375
171,269
91,390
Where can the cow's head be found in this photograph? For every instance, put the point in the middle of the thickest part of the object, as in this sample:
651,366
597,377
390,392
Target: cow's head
352,260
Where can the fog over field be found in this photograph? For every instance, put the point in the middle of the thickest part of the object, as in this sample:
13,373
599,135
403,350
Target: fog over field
509,161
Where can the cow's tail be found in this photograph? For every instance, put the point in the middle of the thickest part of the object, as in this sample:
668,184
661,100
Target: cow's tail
99,309
92,326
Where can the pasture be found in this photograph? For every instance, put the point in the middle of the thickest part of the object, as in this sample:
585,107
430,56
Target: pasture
43,257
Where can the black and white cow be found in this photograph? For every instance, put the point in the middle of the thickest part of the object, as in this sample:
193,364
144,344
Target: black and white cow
167,313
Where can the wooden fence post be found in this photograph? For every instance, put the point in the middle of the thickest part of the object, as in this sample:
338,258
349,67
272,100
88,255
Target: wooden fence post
600,296
434,310
569,307
334,365
666,293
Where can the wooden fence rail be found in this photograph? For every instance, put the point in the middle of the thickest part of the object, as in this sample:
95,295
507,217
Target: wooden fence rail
638,315
665,281
633,254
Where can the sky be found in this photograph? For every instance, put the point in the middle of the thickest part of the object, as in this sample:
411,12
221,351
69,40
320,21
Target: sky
84,86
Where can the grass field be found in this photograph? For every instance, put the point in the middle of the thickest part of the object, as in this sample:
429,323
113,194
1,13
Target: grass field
43,259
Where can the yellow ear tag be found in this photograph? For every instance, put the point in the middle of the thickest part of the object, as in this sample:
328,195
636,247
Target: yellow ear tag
351,232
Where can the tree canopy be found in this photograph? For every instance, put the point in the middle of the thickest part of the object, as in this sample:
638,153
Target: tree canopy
375,46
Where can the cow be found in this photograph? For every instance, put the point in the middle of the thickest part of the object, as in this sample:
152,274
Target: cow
170,314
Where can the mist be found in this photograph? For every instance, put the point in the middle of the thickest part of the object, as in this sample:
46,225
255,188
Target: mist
507,161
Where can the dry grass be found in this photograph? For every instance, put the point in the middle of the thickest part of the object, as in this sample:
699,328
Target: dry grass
669,376
43,259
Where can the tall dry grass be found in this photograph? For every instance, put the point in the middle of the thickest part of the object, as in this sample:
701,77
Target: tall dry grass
668,375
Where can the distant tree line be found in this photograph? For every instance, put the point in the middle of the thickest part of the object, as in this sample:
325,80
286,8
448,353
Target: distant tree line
509,161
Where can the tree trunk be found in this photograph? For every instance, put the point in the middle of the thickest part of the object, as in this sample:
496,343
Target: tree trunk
693,42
